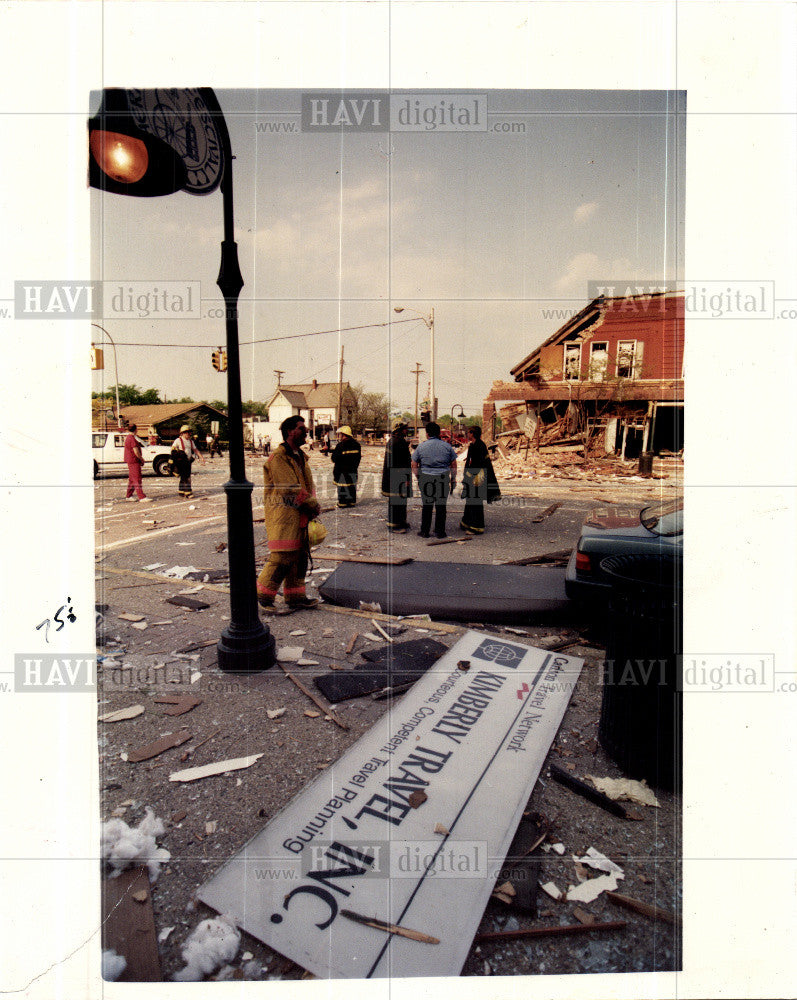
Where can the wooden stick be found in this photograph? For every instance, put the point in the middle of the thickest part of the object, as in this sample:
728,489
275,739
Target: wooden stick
198,645
316,701
388,691
576,785
352,643
376,560
655,912
380,630
546,513
390,928
552,931
195,748
449,541
557,556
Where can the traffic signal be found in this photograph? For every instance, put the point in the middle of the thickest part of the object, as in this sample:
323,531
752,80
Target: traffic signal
219,360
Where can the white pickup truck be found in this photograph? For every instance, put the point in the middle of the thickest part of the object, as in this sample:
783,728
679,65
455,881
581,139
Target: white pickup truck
108,448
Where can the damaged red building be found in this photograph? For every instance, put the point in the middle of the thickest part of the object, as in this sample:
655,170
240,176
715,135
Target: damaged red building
610,379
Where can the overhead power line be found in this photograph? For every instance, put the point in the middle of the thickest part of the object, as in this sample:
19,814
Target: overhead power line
271,340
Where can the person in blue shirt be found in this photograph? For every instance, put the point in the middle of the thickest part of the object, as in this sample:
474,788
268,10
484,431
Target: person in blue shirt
434,462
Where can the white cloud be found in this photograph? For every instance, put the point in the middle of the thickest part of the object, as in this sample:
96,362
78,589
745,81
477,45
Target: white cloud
585,267
585,211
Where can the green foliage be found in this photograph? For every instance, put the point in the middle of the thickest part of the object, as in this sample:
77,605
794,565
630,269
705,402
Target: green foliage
370,409
252,409
218,404
130,395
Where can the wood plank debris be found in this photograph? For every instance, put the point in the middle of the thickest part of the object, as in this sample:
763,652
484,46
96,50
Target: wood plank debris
546,513
380,630
195,646
188,602
647,909
128,925
390,928
315,700
375,560
449,541
167,742
591,794
352,643
123,714
180,703
219,767
556,930
559,557
126,616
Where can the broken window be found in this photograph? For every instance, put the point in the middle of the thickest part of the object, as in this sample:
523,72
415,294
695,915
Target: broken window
598,361
572,364
626,359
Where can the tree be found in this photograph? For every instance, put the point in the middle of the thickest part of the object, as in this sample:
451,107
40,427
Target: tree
218,404
253,409
370,410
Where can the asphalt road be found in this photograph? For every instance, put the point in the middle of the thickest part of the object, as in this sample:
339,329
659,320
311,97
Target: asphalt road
171,650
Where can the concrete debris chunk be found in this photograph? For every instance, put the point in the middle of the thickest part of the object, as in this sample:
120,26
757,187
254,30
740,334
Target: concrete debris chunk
275,713
625,788
126,616
290,654
439,828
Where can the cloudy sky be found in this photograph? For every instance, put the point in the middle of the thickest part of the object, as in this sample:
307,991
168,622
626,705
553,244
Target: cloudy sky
499,231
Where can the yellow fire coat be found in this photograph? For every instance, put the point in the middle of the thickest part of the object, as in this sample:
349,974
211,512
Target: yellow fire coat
289,499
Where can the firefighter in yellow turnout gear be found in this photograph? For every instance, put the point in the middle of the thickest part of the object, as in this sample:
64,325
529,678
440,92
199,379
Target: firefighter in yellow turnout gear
289,505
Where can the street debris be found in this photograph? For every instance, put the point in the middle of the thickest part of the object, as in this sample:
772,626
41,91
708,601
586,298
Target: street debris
138,625
191,590
164,934
647,909
180,703
417,798
553,931
371,606
123,714
126,616
593,795
627,789
594,859
275,713
188,602
315,700
220,767
210,827
167,742
311,714
462,664
123,846
552,890
307,663
371,637
298,631
545,513
290,654
113,965
211,944
505,892
178,572
380,630
141,897
439,828
450,541
582,915
390,928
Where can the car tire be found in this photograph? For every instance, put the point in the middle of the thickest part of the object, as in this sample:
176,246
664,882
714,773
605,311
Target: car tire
96,470
161,465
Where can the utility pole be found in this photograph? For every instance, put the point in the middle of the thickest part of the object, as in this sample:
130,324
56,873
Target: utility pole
279,377
340,387
417,372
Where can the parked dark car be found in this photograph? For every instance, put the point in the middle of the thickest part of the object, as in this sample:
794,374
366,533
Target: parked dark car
655,529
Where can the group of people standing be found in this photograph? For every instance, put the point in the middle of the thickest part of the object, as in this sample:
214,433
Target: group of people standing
434,465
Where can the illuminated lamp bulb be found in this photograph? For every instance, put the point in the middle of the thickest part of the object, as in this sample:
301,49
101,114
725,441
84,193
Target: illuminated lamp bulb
122,157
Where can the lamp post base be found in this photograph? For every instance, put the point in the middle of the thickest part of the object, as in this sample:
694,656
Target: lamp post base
248,652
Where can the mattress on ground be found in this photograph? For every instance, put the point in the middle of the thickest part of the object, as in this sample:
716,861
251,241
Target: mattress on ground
456,591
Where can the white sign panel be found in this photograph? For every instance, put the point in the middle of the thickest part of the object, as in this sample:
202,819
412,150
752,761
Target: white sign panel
459,754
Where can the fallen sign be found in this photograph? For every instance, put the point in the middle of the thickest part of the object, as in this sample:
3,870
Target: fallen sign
458,736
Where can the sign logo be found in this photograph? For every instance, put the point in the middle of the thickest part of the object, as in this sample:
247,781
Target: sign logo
503,653
523,690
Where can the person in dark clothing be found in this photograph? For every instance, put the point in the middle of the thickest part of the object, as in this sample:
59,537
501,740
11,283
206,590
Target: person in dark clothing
478,483
345,462
434,462
397,478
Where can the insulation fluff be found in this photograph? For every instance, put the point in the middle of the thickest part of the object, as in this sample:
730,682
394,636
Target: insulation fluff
113,965
212,943
122,846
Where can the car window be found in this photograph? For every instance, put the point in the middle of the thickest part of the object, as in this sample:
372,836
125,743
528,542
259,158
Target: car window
664,518
98,440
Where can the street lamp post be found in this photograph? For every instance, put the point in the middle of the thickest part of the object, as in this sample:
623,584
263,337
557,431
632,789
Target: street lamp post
156,142
116,373
459,417
429,323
